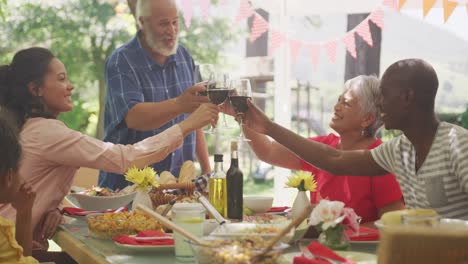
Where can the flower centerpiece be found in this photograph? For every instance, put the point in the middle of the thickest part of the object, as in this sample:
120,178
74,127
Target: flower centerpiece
331,219
143,180
303,181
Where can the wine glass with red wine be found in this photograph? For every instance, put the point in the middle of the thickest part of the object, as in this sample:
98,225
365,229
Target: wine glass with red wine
203,73
218,92
242,91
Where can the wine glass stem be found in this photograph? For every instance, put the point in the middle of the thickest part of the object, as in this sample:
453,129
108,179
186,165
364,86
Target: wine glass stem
241,123
224,121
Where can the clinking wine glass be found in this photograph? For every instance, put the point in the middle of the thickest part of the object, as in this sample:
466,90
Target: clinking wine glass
203,73
242,91
218,92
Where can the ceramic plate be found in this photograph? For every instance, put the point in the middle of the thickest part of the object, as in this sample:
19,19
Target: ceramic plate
379,224
369,242
357,257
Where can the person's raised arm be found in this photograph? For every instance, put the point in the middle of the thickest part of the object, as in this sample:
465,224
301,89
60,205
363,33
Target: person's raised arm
146,116
65,146
356,162
271,151
201,151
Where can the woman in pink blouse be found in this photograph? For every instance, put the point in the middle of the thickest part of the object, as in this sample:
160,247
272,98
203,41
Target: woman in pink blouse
35,87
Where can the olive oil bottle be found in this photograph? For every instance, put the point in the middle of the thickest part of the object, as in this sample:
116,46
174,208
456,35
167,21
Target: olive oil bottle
217,186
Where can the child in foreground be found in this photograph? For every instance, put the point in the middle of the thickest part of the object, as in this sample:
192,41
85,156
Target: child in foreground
14,248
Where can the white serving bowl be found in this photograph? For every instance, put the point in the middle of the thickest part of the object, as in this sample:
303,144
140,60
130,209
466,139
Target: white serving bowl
240,230
258,204
98,203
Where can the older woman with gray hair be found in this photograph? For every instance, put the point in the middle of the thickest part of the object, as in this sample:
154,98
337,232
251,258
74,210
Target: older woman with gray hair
356,120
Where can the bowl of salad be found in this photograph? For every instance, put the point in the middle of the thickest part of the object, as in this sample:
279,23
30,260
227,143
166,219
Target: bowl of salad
98,199
238,250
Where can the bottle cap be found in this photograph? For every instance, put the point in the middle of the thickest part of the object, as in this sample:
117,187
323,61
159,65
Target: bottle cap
234,146
218,157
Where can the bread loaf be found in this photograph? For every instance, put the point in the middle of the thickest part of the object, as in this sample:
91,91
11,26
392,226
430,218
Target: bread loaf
187,172
166,177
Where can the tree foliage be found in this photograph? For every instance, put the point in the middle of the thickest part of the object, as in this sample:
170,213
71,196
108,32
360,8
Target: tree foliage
464,118
2,7
83,33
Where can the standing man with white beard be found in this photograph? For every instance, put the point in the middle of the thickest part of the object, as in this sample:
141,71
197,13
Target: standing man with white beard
150,87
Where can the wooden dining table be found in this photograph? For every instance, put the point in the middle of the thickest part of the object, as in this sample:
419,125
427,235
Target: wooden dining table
74,238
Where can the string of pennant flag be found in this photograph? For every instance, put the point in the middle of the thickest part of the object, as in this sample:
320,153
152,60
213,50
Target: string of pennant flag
278,38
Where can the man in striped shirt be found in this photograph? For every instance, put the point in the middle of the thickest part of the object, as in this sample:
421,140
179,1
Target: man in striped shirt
150,88
430,159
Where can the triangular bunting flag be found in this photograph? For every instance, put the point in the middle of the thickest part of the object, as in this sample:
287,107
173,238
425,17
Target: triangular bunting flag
245,10
393,4
363,30
187,10
350,43
401,3
467,8
427,6
377,18
205,8
259,26
294,46
314,52
449,6
276,39
331,50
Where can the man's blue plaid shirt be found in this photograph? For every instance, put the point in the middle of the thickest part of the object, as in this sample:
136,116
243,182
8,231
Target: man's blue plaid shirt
133,77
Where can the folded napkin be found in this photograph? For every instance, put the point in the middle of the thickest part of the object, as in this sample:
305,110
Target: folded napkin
365,234
278,209
320,250
81,212
157,241
304,260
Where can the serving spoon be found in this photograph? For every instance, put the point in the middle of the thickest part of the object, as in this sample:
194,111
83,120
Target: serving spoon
295,222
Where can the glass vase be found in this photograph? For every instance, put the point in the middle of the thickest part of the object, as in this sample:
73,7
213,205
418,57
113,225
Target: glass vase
334,238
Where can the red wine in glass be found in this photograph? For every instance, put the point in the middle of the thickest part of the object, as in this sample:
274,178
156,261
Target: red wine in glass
218,96
239,103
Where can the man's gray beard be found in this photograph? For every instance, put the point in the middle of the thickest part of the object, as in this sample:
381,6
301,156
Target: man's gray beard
158,46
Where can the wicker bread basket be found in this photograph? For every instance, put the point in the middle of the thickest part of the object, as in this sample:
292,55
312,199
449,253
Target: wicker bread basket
160,195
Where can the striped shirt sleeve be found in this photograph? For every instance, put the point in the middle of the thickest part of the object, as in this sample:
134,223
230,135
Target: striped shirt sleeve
384,155
459,155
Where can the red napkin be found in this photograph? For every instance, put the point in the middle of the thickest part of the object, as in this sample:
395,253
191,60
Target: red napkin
278,209
81,212
304,260
124,239
320,250
365,234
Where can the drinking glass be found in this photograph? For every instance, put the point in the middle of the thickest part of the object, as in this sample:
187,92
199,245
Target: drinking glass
203,73
242,91
189,216
218,92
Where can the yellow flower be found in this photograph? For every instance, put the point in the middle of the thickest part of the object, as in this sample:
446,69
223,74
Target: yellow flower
143,178
302,180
